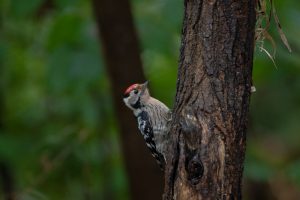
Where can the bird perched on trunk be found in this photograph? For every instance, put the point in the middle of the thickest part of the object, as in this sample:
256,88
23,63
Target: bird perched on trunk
152,116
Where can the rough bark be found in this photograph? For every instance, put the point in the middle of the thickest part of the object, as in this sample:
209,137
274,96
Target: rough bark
120,47
213,92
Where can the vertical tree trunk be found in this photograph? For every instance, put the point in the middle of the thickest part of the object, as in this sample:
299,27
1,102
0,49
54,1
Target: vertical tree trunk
6,176
212,101
7,182
124,67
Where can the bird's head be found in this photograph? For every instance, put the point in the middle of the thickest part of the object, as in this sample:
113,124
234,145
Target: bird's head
135,95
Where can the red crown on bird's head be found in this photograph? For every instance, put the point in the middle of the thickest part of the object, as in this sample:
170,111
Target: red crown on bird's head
130,88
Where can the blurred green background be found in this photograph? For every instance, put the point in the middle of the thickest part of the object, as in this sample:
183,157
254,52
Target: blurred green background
59,135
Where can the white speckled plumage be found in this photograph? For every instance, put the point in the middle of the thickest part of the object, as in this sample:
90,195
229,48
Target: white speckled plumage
153,118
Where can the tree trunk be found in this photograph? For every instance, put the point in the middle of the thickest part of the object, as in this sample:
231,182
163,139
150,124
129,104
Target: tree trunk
7,181
6,175
124,67
213,92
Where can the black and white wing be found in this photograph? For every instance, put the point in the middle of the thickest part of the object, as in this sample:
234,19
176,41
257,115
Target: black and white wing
146,129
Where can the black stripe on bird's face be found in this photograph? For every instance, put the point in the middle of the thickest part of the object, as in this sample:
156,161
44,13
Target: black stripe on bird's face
137,104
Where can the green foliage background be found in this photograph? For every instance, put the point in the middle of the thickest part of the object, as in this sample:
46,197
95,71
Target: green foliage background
59,134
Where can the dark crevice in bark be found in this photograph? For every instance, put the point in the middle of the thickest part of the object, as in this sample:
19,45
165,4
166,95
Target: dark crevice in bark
198,15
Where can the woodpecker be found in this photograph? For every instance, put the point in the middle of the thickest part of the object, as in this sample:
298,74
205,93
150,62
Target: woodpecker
153,119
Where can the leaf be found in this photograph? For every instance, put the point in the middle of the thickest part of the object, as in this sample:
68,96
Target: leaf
280,31
264,16
269,55
269,37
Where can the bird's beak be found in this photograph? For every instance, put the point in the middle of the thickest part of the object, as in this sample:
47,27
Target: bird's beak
144,86
146,83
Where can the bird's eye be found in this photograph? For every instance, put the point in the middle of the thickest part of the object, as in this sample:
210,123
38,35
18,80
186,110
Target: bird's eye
135,91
